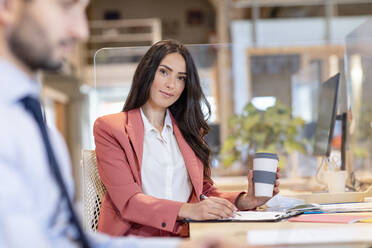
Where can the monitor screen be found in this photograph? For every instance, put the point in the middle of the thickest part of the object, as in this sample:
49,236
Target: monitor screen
327,107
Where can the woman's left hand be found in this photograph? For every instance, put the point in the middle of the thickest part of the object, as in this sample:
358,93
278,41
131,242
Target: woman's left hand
249,201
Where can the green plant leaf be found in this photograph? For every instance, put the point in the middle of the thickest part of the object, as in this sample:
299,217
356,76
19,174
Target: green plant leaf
229,144
228,160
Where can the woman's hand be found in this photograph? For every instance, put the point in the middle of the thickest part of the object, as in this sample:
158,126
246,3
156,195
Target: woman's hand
249,200
208,209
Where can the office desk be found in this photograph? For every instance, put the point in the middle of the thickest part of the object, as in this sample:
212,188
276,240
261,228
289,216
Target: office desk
237,231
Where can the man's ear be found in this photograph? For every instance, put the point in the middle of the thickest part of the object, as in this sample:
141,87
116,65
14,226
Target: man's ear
8,11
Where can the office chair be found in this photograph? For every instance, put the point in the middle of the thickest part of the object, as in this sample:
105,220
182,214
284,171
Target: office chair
93,190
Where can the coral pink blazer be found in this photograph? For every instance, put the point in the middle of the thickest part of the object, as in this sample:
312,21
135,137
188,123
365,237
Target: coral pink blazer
125,208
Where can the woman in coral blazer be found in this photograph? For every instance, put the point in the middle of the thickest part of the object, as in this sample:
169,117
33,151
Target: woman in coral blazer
165,94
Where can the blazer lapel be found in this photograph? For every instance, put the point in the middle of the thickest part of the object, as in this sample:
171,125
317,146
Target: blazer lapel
192,165
135,131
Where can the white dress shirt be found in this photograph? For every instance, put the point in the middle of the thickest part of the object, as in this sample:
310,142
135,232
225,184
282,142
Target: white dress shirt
163,170
31,211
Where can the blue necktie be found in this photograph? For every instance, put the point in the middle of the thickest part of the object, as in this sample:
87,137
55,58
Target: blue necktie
34,107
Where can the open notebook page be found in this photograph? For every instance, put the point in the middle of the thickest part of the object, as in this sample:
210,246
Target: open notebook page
258,216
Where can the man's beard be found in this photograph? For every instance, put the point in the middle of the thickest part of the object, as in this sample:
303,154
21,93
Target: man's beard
30,44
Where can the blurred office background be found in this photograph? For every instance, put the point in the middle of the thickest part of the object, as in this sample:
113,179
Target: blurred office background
268,51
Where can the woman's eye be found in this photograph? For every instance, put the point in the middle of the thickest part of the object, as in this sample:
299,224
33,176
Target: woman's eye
182,79
163,72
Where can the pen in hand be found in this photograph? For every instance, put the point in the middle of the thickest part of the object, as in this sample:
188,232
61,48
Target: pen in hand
203,197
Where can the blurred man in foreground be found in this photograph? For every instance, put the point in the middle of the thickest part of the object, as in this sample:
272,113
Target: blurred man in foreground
36,186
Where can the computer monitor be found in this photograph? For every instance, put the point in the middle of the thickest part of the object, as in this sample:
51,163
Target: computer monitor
327,107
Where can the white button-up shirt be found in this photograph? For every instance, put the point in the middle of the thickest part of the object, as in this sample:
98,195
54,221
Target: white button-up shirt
163,170
31,211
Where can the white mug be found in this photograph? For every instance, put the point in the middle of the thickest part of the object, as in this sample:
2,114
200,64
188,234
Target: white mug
336,181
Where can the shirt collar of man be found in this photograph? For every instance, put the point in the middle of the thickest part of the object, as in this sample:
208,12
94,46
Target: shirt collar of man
15,84
149,127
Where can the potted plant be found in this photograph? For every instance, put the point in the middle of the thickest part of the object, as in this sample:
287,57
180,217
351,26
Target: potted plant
273,130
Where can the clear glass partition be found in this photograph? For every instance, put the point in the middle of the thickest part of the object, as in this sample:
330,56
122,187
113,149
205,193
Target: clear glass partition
230,76
359,83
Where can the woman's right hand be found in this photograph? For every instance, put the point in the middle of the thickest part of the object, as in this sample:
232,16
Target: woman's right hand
208,209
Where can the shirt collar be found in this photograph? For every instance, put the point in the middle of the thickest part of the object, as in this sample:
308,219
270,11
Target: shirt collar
168,121
15,84
148,126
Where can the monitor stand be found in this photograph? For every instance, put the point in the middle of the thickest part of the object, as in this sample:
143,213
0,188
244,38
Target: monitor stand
343,118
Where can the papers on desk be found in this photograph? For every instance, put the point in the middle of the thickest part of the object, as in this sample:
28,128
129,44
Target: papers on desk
347,207
320,235
343,213
332,208
255,216
272,216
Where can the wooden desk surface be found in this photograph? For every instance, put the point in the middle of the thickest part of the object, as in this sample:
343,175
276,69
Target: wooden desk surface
237,231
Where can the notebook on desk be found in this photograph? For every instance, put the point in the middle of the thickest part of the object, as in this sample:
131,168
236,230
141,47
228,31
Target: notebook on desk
255,216
333,208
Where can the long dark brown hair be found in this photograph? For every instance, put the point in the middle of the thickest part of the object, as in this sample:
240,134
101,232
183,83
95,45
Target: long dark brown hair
187,110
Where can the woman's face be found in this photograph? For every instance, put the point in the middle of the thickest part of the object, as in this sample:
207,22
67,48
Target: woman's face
169,81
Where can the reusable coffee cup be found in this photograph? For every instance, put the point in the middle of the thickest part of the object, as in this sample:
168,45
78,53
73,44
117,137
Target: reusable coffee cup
264,173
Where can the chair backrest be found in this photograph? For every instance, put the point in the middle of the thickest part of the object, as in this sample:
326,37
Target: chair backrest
93,190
